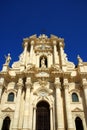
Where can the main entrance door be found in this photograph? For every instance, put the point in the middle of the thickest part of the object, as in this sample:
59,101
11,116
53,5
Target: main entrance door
43,116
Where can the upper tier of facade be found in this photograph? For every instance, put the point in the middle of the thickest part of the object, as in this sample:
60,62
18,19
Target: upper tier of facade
44,57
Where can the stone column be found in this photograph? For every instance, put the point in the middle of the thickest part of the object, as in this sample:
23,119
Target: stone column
84,83
55,52
70,125
51,119
62,55
59,105
25,51
34,118
37,59
32,52
27,105
17,105
49,59
1,86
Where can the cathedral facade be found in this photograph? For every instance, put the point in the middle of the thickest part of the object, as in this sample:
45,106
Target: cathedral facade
43,90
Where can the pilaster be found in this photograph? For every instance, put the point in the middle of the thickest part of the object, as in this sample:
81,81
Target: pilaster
59,105
84,84
1,86
67,106
27,105
18,101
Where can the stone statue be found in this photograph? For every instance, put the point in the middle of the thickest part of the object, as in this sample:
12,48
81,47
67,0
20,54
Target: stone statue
43,63
79,59
8,58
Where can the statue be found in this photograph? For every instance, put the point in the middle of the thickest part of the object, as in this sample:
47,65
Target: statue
79,59
43,63
8,58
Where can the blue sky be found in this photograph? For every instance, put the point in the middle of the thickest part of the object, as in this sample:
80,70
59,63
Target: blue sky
23,18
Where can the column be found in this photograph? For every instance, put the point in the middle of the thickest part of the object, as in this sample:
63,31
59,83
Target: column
27,105
49,59
61,52
37,59
1,86
32,52
17,107
59,105
84,83
67,105
51,119
25,51
55,53
34,119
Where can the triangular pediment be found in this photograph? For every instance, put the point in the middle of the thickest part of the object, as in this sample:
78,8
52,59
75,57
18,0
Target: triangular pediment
8,109
77,110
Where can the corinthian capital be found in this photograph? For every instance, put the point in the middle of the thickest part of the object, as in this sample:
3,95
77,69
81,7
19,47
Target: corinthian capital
65,83
28,82
20,83
57,83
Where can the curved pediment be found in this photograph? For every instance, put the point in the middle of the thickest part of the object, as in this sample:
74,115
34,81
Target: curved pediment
43,91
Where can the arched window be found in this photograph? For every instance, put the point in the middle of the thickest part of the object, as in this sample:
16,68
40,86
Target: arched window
10,97
79,124
75,97
6,124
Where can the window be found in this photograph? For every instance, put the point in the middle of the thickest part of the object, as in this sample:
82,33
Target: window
11,97
75,97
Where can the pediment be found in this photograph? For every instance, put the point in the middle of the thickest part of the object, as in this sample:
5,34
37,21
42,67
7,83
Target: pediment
56,68
77,110
43,91
8,109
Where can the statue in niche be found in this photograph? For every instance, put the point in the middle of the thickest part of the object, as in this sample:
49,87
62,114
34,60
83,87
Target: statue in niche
43,63
8,59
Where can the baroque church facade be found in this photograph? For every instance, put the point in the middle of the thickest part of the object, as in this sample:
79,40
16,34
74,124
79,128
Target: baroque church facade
43,90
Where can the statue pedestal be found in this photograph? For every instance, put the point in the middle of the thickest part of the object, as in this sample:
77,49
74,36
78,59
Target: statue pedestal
22,67
5,67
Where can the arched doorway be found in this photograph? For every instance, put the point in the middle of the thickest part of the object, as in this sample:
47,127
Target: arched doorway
42,116
6,123
79,124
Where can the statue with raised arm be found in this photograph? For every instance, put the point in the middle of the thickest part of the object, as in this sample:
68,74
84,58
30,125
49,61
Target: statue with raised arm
8,59
79,59
43,63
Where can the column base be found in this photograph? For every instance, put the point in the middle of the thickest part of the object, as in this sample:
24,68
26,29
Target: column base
61,129
64,129
25,129
70,129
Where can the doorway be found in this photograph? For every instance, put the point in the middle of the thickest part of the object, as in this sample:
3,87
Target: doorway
43,116
79,124
6,123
